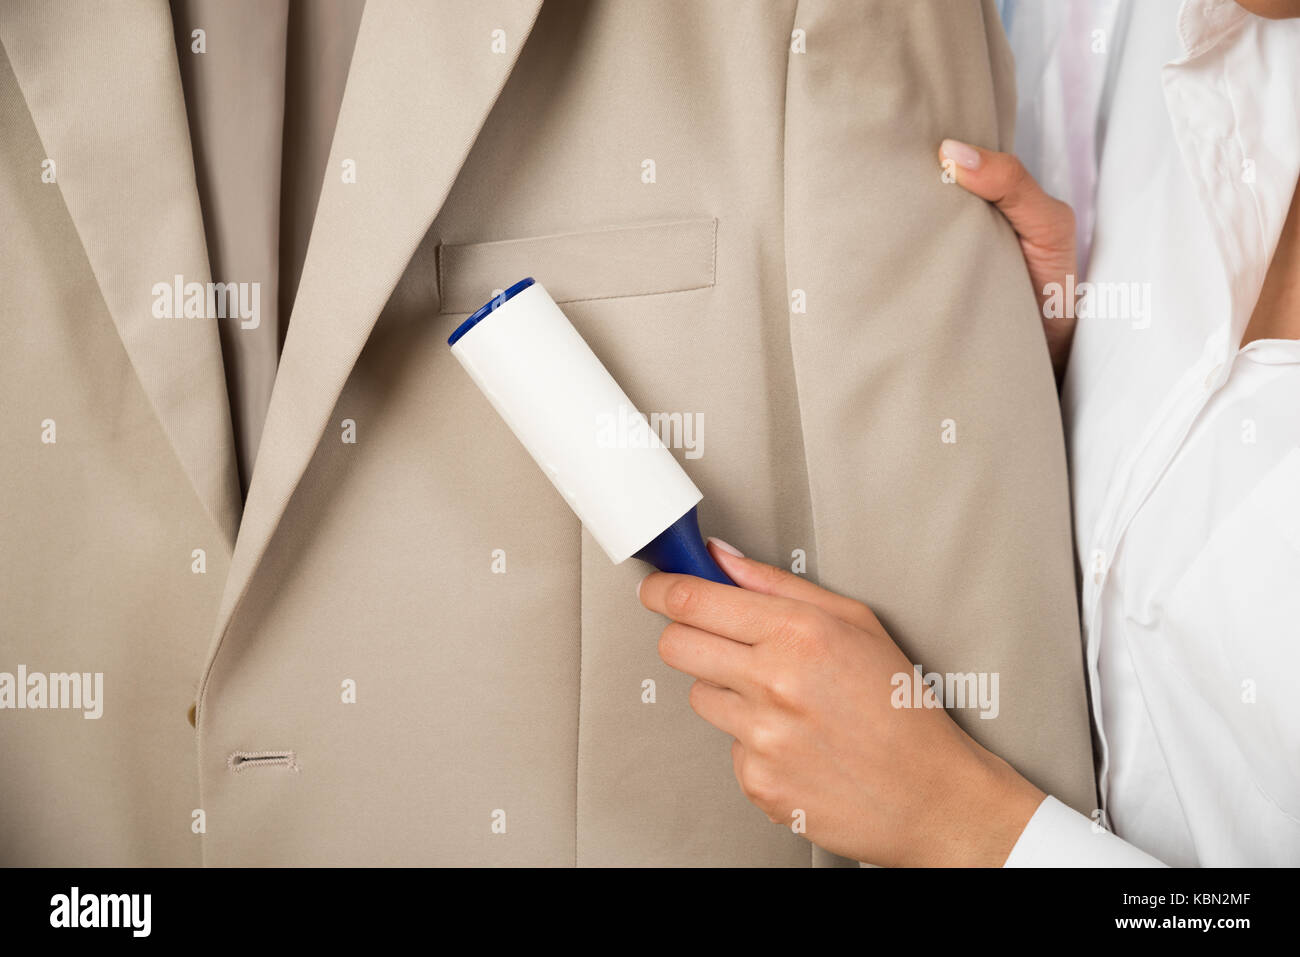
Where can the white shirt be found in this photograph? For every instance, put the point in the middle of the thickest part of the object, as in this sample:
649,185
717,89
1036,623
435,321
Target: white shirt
1185,454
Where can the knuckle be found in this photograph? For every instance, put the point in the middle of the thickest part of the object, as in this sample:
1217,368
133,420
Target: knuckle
1018,178
1065,213
805,632
1019,190
696,696
862,616
759,784
764,738
784,689
793,623
670,643
1064,220
681,599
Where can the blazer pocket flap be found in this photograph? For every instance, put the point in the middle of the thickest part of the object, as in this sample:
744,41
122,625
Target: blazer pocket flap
599,264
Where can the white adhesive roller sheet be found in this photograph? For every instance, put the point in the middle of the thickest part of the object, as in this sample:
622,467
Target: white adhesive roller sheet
575,421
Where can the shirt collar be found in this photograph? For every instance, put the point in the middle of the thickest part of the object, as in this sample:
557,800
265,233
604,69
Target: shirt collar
1273,352
1242,153
1202,24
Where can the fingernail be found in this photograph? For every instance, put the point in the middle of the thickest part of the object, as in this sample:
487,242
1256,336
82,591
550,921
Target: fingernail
729,549
967,157
638,589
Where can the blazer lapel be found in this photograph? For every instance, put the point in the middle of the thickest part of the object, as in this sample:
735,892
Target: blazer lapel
423,80
105,95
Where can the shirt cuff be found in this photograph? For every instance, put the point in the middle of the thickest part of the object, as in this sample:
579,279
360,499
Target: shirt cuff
1058,836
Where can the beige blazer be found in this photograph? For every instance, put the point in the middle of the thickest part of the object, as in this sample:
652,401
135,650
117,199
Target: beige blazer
739,206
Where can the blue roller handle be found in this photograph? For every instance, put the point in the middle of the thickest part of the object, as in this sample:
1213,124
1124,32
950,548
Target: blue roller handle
680,549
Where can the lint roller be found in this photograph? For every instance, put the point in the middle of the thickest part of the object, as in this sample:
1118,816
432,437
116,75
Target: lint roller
582,429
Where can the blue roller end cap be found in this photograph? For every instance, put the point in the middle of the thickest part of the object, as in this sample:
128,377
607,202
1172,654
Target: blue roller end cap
485,310
680,550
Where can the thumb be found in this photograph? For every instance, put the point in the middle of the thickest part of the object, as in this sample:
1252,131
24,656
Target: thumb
1038,219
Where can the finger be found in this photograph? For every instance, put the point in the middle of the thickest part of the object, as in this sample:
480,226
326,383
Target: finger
721,707
735,613
770,580
1003,180
702,654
